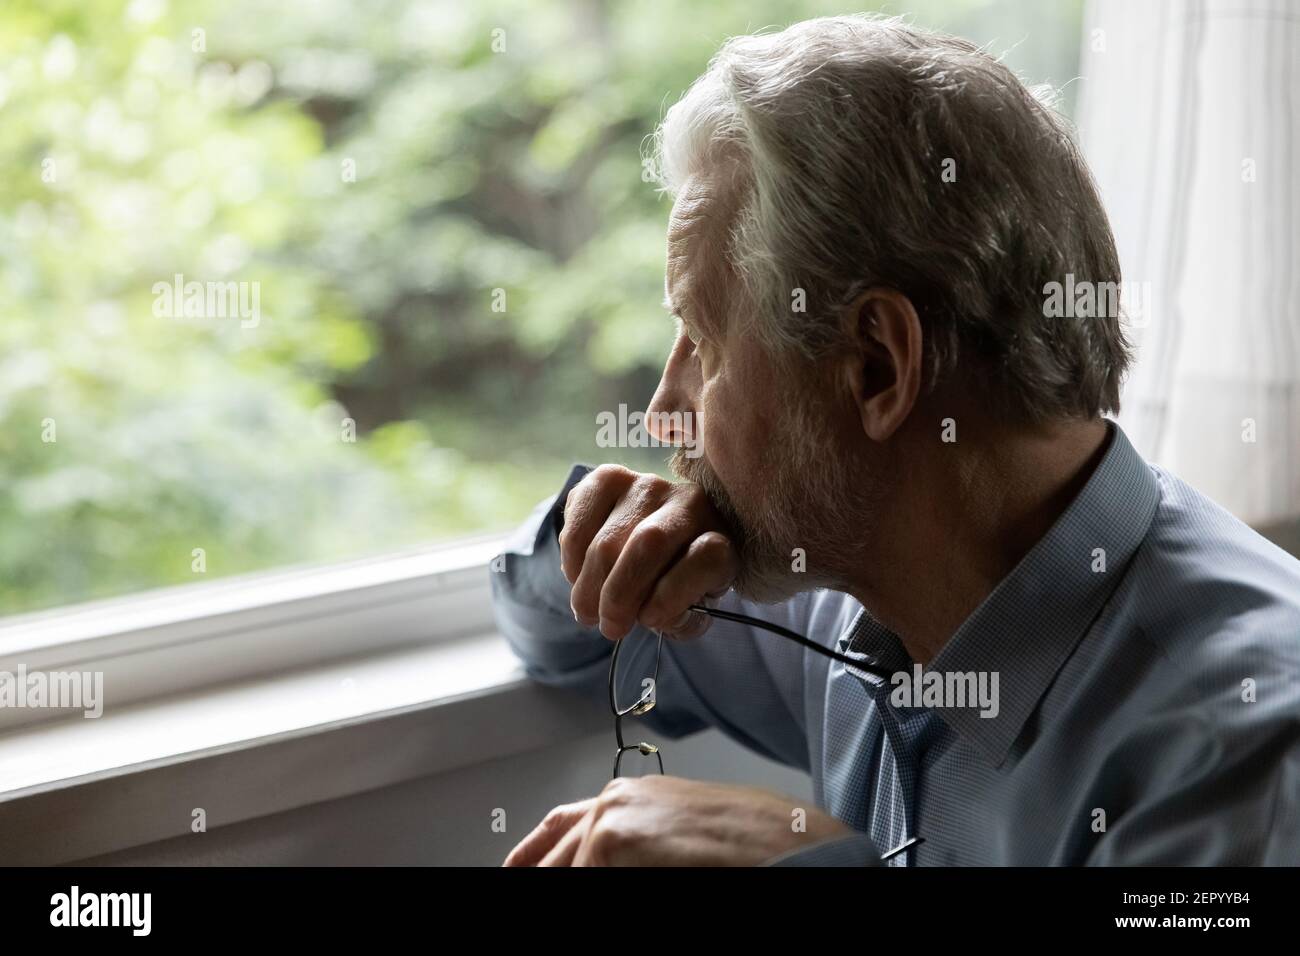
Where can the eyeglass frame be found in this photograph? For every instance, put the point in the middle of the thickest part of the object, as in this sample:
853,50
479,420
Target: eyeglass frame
643,705
646,701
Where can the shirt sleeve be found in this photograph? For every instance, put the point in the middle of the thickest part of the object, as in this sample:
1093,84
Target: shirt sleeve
744,681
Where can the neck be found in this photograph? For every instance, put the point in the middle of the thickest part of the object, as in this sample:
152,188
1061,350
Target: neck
965,516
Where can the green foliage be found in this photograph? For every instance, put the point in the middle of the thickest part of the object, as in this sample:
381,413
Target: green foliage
132,152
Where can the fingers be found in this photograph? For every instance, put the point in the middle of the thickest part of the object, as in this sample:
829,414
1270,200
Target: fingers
687,626
585,510
556,825
564,852
640,501
706,570
648,551
639,548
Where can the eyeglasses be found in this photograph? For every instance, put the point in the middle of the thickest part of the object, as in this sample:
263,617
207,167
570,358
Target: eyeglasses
643,705
645,702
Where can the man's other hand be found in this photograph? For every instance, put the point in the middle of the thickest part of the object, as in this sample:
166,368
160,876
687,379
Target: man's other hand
669,821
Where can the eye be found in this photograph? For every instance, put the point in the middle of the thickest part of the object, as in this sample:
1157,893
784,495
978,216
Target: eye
687,331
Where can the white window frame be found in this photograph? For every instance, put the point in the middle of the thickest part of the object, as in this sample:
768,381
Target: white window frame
154,643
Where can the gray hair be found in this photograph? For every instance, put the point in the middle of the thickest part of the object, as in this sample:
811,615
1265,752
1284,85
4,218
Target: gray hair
841,128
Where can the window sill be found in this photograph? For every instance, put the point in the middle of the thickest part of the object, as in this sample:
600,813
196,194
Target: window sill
250,696
152,645
73,788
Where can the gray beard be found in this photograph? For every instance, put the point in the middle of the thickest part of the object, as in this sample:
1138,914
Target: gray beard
801,512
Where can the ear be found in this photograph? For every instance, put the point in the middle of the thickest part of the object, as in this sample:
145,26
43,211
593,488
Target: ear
884,370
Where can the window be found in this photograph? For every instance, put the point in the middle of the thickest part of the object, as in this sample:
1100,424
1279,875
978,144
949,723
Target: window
327,283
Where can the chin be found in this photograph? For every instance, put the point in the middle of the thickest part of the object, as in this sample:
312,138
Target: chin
774,586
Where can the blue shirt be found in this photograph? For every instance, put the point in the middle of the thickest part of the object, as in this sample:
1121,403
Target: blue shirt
1147,657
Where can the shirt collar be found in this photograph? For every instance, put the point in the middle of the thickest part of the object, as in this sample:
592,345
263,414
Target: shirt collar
1029,625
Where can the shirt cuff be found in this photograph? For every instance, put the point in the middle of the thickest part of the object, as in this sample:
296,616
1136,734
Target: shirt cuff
576,474
528,568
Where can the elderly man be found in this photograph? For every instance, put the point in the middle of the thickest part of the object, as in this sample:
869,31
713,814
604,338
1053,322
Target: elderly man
904,457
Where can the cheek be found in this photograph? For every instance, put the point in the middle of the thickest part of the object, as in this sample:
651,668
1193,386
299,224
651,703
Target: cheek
732,433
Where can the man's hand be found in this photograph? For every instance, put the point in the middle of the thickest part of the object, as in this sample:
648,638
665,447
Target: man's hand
668,821
641,549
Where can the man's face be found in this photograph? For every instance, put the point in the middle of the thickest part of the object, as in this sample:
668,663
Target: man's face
761,442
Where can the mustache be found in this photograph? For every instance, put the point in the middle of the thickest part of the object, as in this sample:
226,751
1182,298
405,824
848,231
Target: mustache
696,469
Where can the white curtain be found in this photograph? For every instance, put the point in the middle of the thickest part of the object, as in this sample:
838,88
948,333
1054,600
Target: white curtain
1188,115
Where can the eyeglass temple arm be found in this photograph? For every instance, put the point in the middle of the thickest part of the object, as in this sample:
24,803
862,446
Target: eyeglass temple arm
791,635
800,639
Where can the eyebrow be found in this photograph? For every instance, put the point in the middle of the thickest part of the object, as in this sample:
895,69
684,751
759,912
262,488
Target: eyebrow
674,310
671,306
687,324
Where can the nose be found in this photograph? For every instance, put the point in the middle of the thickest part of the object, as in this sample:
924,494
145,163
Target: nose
670,418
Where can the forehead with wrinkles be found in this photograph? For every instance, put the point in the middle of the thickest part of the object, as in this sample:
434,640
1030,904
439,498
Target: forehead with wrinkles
697,274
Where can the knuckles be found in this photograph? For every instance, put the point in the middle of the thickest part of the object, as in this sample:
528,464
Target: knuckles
603,550
554,820
617,790
619,832
681,506
649,539
559,818
604,842
611,834
609,470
